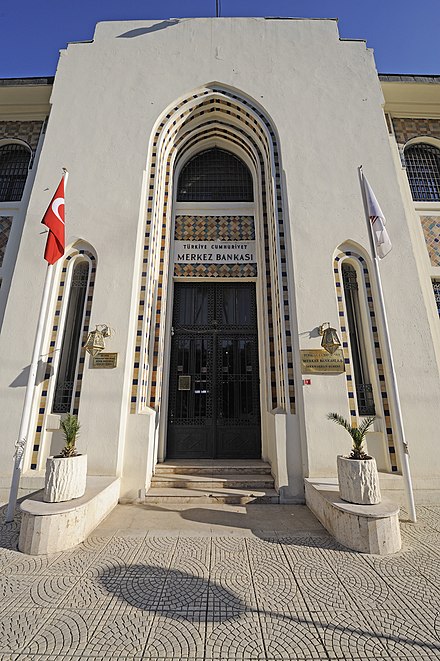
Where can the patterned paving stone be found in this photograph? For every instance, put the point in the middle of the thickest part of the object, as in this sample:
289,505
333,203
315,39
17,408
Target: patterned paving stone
91,593
201,597
122,633
231,586
407,583
17,628
73,562
407,635
19,563
48,591
67,657
263,548
184,594
194,546
224,547
173,636
321,588
187,566
237,637
347,635
95,543
153,552
12,588
64,632
291,637
276,589
366,587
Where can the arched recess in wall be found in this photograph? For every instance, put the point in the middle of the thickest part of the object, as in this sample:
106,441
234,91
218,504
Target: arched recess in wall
213,117
421,157
15,161
361,342
64,350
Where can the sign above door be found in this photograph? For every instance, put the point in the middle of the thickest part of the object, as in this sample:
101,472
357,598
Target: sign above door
215,252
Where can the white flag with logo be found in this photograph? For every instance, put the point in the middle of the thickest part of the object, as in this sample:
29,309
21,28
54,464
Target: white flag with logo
378,222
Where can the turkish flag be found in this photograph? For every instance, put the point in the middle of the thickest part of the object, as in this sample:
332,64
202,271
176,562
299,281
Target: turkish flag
54,220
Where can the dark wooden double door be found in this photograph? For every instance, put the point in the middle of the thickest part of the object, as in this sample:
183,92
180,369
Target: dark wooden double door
214,409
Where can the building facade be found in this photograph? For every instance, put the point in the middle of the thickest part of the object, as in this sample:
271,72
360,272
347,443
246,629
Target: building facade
215,221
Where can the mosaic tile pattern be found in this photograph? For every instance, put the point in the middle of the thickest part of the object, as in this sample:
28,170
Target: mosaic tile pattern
215,228
192,120
5,229
295,596
431,230
215,270
349,376
45,402
27,131
406,128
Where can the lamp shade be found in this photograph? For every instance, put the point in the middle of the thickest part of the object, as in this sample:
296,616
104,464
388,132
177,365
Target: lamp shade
95,343
330,340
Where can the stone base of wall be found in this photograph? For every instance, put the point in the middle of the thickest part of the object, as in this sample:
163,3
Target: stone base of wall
52,527
364,528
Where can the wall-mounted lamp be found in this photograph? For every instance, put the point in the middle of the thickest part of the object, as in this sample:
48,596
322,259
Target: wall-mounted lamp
95,340
330,340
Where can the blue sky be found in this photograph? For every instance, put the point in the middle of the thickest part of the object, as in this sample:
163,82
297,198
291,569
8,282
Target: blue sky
404,33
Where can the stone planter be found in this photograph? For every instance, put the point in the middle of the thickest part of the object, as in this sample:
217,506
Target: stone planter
65,478
358,481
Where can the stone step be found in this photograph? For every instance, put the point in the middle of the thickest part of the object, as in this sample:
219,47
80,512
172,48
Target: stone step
157,495
213,467
217,481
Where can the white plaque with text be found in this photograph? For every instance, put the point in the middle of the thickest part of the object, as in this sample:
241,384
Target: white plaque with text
216,252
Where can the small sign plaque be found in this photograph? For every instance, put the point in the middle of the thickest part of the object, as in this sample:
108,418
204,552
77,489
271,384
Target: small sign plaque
184,382
105,361
319,361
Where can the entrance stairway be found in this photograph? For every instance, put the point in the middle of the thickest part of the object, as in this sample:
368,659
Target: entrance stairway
234,482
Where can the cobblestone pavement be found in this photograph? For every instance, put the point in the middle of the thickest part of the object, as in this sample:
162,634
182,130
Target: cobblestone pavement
155,595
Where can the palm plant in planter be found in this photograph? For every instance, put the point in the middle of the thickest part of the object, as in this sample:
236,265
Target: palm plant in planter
357,474
66,473
70,427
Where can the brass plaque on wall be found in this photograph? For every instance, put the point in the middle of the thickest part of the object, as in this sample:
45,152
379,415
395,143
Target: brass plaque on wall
184,383
105,361
319,361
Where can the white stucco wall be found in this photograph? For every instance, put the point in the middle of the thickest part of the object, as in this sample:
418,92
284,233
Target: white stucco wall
324,100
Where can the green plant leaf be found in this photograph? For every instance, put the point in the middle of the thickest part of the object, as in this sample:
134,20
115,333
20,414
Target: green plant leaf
70,427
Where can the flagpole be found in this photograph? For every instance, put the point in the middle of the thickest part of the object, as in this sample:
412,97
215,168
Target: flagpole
20,445
394,391
51,256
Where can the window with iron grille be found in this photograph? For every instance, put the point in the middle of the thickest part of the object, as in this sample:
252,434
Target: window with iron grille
436,290
364,389
215,175
423,170
14,165
70,346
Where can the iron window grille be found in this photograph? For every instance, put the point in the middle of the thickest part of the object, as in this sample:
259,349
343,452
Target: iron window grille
423,169
215,175
70,346
364,389
14,165
436,290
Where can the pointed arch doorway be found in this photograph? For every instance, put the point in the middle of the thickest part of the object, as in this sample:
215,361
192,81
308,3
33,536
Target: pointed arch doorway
215,116
213,396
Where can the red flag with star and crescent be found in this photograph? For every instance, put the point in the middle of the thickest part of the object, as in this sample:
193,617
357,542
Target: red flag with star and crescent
54,220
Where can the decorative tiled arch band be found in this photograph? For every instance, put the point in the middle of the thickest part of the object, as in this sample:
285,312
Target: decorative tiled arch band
45,400
377,348
194,115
